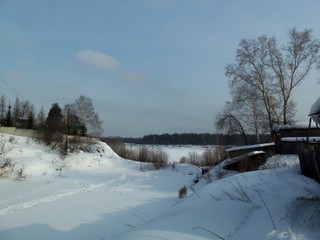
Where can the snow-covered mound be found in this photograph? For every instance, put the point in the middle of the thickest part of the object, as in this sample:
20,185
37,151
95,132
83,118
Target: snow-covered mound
99,195
36,160
269,204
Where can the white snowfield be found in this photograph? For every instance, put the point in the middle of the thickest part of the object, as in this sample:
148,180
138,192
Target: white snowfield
101,196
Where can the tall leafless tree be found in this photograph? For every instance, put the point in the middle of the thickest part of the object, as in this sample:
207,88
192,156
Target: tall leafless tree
16,111
41,119
83,109
292,65
248,106
228,120
25,108
2,109
271,72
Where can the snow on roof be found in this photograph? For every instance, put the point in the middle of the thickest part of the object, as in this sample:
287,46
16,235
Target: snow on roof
315,111
300,139
297,125
243,156
250,146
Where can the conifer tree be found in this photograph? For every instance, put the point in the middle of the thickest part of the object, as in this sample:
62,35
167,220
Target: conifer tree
2,110
9,119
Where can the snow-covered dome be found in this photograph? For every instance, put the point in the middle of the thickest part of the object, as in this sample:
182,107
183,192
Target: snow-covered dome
315,112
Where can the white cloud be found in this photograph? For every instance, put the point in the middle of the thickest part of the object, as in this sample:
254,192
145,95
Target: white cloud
97,59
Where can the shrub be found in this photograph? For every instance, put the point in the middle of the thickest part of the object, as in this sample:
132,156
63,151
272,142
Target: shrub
195,158
120,148
143,154
237,193
12,139
220,153
6,168
183,160
210,157
159,158
21,174
183,192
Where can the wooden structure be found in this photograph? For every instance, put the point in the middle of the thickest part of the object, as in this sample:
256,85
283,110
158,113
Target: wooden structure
246,162
268,148
248,158
309,159
304,140
291,138
309,156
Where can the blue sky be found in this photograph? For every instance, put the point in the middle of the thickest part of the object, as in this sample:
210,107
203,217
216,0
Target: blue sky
150,66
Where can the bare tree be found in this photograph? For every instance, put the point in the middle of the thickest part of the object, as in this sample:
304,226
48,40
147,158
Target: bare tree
272,72
84,111
25,108
250,69
249,108
41,119
228,120
16,111
292,66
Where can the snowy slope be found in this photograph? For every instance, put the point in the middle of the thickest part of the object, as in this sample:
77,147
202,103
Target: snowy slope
101,196
220,211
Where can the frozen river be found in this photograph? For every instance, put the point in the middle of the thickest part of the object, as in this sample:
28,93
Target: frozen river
175,152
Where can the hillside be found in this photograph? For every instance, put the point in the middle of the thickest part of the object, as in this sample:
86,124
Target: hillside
98,195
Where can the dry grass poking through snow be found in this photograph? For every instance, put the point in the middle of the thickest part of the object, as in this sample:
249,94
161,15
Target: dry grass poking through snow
7,167
157,157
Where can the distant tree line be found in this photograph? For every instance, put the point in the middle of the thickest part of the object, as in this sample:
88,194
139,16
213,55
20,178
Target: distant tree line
193,139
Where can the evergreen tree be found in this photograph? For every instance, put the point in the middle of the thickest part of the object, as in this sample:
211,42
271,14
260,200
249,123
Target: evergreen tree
31,119
9,119
83,130
2,110
54,120
54,126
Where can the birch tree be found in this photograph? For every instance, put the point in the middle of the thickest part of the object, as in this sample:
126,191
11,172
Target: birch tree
83,109
272,72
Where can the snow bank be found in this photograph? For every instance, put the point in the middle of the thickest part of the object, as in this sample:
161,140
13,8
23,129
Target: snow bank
297,125
250,147
255,205
315,112
301,139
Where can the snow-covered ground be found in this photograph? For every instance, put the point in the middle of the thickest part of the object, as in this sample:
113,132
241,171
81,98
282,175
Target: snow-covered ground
101,196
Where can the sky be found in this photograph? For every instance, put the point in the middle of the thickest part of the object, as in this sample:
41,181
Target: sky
149,66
